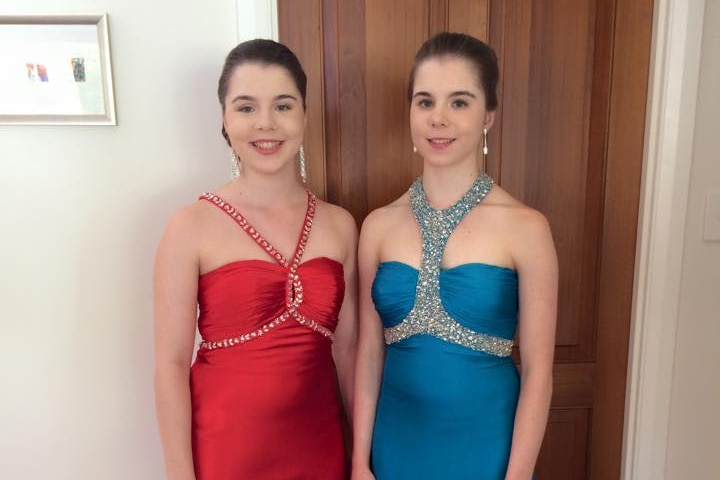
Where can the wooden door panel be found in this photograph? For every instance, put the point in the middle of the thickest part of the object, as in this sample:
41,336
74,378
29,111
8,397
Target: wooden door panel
573,385
395,30
546,95
564,451
306,43
469,16
345,101
567,140
629,73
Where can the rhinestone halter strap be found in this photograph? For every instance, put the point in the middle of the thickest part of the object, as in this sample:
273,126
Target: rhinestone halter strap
293,288
428,315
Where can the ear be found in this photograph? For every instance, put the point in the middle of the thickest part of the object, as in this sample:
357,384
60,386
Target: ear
222,119
489,119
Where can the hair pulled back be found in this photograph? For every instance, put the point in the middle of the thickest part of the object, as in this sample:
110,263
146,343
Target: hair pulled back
460,45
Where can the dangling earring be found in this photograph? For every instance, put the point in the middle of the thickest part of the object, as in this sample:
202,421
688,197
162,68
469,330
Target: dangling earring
235,165
301,160
485,149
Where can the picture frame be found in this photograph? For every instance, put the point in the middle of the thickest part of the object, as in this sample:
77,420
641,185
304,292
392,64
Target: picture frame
55,70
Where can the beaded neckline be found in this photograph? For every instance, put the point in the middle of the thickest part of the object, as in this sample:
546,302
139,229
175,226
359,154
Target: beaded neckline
293,287
437,225
475,194
428,315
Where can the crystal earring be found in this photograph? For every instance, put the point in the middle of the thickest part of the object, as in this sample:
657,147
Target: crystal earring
235,165
414,149
485,145
301,161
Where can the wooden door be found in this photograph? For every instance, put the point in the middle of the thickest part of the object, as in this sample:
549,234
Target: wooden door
567,140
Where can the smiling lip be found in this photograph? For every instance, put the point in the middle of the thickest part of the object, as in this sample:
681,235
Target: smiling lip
440,143
266,147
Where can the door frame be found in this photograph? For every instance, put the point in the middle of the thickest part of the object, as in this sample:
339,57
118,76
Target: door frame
669,134
256,19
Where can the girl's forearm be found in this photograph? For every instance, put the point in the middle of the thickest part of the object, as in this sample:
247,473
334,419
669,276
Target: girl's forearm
172,394
530,421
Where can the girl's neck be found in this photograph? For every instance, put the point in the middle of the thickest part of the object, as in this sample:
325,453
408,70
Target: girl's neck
268,191
445,185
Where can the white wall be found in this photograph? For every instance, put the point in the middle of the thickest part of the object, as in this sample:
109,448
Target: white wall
81,211
694,435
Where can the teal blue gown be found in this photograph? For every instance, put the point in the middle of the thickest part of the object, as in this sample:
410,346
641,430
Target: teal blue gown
449,389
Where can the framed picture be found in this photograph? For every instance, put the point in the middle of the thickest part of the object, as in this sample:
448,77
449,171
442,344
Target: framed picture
55,70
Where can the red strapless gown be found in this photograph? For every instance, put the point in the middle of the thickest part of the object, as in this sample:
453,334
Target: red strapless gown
264,396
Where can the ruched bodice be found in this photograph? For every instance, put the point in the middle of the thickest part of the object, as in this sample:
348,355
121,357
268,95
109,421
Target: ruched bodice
479,296
254,291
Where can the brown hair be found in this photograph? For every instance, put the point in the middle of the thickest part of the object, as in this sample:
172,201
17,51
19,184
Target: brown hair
460,45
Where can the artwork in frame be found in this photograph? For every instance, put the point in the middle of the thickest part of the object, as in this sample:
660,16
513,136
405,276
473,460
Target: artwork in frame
55,70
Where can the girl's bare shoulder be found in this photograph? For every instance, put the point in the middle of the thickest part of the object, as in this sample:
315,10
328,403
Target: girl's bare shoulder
522,226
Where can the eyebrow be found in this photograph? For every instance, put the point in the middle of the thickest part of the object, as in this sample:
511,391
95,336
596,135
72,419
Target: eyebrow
458,93
284,96
463,93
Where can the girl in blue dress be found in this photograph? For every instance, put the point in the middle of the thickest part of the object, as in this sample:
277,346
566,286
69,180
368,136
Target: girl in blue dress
450,274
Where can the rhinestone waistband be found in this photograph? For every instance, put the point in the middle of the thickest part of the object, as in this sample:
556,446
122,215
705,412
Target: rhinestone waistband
240,339
447,329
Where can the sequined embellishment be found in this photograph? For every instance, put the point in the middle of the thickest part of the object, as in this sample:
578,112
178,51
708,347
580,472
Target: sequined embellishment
428,315
293,288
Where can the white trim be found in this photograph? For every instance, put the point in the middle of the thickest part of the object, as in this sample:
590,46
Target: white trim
256,19
675,64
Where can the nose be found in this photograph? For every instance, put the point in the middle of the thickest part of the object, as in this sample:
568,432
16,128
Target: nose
265,120
438,117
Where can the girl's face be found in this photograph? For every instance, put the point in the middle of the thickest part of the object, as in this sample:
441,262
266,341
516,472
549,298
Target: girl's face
264,117
447,113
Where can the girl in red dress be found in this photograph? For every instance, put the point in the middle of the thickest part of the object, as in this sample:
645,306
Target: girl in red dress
272,270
